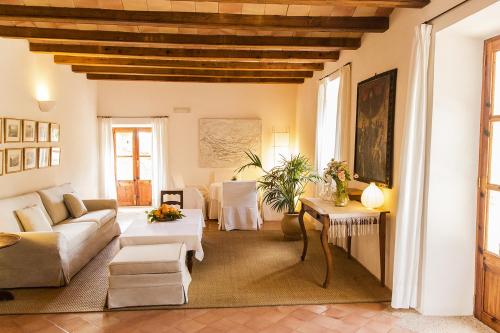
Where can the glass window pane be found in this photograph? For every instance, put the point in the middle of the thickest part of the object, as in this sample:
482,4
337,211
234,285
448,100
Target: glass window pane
124,143
145,168
496,95
145,143
493,223
124,168
495,154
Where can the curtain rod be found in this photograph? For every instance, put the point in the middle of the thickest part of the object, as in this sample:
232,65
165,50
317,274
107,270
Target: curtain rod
335,71
446,11
108,117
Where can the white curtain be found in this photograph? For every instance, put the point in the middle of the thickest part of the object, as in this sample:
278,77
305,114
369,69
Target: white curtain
326,124
107,181
159,159
342,141
411,194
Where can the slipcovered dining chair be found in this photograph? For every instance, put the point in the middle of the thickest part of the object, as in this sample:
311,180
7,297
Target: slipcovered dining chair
239,207
194,196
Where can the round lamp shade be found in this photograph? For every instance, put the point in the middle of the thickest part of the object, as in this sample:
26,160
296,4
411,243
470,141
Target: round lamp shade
372,197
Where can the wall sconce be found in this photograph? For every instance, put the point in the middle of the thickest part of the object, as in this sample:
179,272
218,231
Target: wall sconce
281,144
372,197
45,104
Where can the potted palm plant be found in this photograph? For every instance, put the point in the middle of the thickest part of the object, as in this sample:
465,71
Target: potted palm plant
282,186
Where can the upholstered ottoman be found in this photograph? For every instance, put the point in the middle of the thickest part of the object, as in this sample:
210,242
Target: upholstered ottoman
145,275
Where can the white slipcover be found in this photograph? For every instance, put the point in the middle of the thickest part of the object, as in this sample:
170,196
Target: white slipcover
239,209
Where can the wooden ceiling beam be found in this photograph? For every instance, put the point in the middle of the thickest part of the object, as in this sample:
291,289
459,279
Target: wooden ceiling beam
172,53
68,35
362,3
241,65
189,72
195,20
120,77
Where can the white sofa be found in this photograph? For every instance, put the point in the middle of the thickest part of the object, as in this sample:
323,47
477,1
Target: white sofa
51,259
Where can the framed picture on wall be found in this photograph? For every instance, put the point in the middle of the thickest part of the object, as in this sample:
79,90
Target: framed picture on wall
55,156
12,130
13,160
54,132
43,131
1,162
29,131
43,157
29,160
1,130
373,155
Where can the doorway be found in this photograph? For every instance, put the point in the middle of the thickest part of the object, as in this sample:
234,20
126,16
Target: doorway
133,163
487,302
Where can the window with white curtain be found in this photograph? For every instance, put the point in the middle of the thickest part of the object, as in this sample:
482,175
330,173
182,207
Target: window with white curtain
326,126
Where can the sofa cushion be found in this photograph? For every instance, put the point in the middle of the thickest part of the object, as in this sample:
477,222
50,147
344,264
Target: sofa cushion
33,219
149,259
8,219
101,217
76,233
53,201
74,204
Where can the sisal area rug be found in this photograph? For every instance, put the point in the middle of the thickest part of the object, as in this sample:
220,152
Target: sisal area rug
241,268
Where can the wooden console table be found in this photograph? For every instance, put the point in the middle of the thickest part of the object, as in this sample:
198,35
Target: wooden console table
321,214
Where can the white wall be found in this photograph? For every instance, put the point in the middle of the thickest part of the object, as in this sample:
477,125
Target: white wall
379,53
274,104
21,72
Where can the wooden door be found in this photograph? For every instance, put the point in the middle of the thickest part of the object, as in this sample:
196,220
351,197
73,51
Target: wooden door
487,302
133,150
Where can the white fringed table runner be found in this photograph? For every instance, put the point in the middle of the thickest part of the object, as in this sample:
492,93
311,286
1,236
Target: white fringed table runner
352,220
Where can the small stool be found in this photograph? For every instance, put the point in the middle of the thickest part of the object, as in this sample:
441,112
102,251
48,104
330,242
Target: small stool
144,275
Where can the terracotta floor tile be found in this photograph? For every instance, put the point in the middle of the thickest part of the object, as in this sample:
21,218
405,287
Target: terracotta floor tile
258,324
277,328
336,313
327,322
318,309
355,319
240,317
290,322
379,327
189,326
303,314
310,327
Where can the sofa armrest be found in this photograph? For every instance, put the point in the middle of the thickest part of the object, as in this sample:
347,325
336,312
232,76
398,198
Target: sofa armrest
99,204
37,260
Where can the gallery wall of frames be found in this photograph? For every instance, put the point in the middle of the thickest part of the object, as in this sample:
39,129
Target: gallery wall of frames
28,144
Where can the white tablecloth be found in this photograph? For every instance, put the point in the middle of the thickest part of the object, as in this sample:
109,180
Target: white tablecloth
188,230
214,200
352,220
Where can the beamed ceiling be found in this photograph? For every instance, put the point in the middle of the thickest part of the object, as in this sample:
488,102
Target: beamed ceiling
270,41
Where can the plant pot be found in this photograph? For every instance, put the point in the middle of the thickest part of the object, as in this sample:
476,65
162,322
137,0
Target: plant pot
291,227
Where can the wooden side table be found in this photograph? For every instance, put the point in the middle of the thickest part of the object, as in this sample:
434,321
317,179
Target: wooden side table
7,240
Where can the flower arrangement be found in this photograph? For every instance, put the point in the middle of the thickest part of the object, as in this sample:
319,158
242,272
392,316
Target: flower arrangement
164,213
338,171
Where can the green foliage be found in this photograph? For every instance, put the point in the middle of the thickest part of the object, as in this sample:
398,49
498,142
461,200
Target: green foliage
284,184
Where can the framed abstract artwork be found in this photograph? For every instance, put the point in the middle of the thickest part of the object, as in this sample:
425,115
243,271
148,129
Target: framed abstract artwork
55,156
55,131
29,131
43,157
12,130
13,160
373,155
43,131
29,160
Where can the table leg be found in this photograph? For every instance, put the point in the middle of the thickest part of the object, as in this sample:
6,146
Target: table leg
349,241
6,295
304,232
325,220
189,260
381,240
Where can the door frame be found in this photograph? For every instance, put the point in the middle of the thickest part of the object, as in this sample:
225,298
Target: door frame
483,257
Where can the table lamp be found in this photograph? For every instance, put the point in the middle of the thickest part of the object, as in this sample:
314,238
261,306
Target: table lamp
372,197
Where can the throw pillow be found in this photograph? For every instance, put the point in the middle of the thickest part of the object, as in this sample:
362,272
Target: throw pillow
75,205
33,219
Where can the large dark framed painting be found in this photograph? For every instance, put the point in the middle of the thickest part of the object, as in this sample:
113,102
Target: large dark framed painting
375,129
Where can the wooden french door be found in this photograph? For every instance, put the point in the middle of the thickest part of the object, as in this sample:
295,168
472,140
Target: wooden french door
487,302
133,150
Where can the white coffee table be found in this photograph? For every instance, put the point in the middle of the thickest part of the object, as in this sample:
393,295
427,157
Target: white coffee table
188,230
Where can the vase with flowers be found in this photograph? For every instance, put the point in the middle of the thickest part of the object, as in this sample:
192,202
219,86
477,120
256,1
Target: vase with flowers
164,213
338,172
